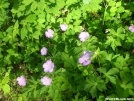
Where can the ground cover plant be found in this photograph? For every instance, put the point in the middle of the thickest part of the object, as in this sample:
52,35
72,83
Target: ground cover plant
66,50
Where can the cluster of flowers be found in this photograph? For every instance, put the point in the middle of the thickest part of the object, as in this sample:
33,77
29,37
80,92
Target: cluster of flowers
48,66
83,36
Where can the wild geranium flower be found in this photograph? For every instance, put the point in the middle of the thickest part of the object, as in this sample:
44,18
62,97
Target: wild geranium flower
83,36
131,28
46,81
48,66
49,33
43,51
85,59
21,81
63,27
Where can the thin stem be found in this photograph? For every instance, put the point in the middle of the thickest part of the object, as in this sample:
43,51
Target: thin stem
106,6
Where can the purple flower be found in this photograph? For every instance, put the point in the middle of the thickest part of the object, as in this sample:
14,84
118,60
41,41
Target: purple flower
63,27
131,28
21,81
43,51
85,59
46,81
49,33
48,66
83,36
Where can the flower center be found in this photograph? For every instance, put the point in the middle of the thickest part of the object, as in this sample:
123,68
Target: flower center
48,66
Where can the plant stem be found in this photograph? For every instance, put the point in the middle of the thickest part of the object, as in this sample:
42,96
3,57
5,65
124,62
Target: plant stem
106,6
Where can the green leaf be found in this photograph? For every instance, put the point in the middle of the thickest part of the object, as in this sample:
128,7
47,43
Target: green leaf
44,90
113,45
52,19
95,5
77,28
112,3
70,2
118,4
86,1
101,98
77,50
110,74
127,85
120,9
34,6
131,92
113,9
52,1
60,4
120,91
76,14
57,96
109,57
10,51
29,28
126,14
5,80
76,97
93,91
119,30
15,29
94,84
20,98
6,88
41,20
68,61
31,18
60,20
112,71
32,80
27,2
117,42
129,39
122,36
102,70
36,34
115,56
4,4
64,86
112,79
112,14
77,22
23,33
35,93
22,7
48,17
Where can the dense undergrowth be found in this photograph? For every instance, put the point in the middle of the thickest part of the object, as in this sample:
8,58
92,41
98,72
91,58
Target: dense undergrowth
66,50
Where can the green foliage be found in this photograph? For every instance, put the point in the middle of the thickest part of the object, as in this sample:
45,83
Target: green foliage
4,84
4,4
115,38
92,5
95,84
110,74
